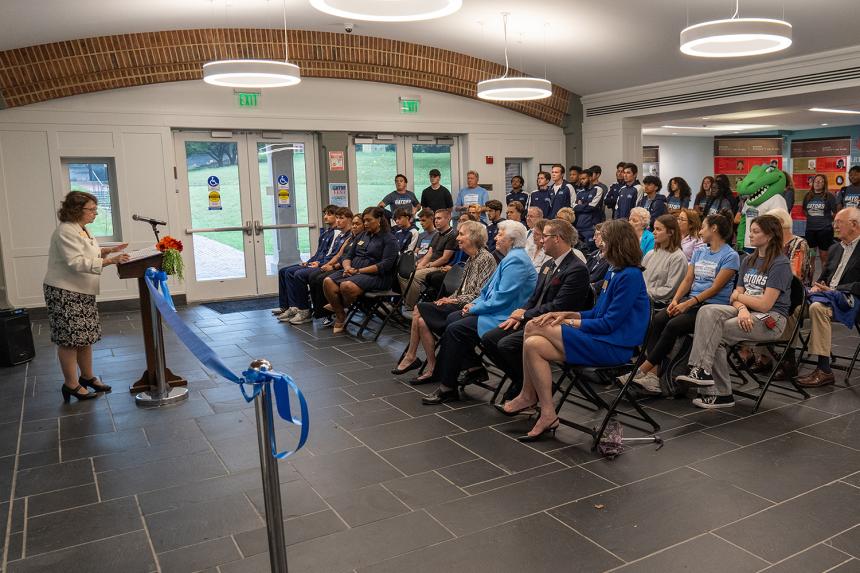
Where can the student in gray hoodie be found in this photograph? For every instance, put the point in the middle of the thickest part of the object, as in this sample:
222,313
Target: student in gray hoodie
666,265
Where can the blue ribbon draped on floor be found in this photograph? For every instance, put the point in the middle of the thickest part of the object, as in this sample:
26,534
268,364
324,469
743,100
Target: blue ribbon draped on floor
281,384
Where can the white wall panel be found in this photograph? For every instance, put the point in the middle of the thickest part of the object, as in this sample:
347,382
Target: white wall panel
72,143
28,273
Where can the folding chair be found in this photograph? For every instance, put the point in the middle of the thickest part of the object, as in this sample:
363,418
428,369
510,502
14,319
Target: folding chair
585,396
382,304
834,358
798,301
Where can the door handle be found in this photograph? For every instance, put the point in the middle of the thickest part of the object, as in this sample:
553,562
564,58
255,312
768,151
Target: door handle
247,228
258,228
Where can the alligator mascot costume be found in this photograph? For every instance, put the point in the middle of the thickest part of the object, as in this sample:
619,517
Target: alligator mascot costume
762,188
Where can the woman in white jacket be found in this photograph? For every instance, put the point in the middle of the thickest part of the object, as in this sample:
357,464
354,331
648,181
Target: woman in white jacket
75,263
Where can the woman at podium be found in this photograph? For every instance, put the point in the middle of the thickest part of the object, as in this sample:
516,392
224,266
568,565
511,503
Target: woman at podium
75,263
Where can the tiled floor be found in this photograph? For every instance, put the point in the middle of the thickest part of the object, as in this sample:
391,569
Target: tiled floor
388,485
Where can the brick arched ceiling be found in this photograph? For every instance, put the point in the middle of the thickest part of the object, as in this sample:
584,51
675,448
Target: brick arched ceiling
48,71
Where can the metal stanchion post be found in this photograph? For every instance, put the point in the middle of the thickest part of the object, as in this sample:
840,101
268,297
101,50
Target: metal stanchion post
269,470
164,395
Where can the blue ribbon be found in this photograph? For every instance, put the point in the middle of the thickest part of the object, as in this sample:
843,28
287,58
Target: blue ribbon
281,384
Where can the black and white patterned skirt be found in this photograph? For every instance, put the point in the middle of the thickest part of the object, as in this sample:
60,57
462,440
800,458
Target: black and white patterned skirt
74,317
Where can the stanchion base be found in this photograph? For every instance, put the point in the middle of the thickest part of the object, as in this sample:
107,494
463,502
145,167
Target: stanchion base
173,396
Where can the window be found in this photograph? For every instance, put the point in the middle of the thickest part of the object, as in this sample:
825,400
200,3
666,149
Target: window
96,176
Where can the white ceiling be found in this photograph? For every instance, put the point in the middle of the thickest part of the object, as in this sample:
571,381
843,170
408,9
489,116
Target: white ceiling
593,45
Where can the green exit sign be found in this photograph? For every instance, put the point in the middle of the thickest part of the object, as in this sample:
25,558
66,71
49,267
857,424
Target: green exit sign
248,99
409,105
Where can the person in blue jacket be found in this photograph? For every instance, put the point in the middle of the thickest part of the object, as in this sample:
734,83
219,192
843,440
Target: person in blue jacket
588,209
651,199
506,290
603,336
561,192
541,197
627,195
517,193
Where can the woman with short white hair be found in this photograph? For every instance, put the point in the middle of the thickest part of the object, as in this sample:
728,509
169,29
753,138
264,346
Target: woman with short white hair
640,219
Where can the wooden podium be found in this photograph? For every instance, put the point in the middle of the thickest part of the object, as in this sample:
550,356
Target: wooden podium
148,381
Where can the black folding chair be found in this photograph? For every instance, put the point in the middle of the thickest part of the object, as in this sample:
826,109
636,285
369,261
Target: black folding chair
580,378
834,358
798,310
382,304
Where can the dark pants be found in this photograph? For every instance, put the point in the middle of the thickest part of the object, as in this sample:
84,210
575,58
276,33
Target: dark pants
297,288
666,330
284,275
457,348
505,349
315,281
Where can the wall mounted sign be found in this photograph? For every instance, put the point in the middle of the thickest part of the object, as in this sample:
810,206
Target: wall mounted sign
336,161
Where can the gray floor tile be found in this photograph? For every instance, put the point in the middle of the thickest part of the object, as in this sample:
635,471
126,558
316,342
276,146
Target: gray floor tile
852,566
816,559
296,530
86,425
368,544
255,564
768,424
783,467
200,556
839,402
550,546
38,441
378,389
843,430
474,417
405,432
154,475
513,478
62,499
705,554
508,454
81,525
618,521
129,553
849,542
470,514
423,490
297,498
801,522
366,505
470,473
344,471
200,522
121,441
144,455
52,477
424,456
177,496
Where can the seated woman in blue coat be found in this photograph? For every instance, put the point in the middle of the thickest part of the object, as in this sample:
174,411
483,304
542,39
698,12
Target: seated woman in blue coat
369,266
603,336
507,289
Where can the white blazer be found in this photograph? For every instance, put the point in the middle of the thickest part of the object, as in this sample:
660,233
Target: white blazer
74,260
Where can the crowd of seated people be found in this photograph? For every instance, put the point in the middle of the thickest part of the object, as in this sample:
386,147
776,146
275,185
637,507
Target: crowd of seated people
579,278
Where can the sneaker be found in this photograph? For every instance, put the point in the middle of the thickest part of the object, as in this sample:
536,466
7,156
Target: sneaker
278,311
288,314
302,317
328,321
649,382
622,380
714,401
697,376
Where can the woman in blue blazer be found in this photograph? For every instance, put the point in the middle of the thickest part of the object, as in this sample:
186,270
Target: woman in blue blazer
507,289
603,336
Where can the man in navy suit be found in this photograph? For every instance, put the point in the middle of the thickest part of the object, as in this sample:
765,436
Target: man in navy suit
562,285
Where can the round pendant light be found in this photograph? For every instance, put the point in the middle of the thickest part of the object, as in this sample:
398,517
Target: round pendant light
251,73
735,37
388,10
513,88
254,73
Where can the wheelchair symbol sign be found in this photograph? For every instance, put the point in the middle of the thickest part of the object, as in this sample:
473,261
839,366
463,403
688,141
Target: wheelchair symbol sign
213,181
283,180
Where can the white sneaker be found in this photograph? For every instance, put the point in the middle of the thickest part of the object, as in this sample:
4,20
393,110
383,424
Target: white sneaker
622,380
302,317
650,382
288,314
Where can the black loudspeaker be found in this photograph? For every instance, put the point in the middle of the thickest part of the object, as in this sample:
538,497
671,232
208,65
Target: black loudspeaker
16,337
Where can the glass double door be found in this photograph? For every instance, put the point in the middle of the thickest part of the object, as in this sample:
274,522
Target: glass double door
250,207
378,161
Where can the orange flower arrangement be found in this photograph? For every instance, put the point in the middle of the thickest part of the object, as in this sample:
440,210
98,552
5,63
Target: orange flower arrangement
172,262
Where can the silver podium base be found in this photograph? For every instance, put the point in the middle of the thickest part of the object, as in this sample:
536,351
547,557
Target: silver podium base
172,396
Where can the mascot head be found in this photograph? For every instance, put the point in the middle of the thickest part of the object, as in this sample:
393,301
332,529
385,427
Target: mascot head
762,183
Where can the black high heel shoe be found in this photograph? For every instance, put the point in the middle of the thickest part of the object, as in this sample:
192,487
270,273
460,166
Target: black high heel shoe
501,408
548,430
95,383
69,392
415,364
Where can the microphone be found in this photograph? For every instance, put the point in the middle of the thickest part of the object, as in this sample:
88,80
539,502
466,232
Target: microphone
148,220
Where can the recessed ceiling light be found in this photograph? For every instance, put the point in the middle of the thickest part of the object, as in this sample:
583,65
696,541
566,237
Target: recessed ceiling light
706,118
674,133
723,127
388,11
825,124
830,110
736,132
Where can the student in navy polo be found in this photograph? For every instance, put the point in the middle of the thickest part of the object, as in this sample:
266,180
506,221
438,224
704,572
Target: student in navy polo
425,217
541,197
652,200
517,193
819,206
596,172
573,175
588,209
404,229
560,191
628,195
611,196
400,197
849,196
493,209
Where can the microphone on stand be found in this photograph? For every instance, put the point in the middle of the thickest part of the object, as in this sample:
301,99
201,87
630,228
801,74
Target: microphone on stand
154,222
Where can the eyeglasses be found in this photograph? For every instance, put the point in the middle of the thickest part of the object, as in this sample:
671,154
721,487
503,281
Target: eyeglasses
548,236
92,209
